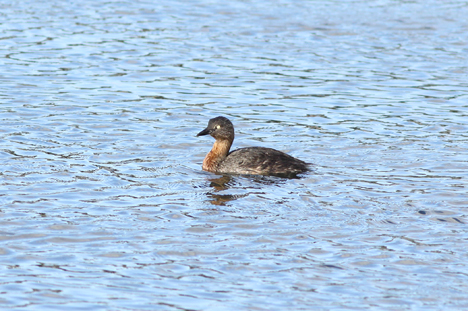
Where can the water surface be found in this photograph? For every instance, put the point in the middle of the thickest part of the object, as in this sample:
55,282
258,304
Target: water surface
103,202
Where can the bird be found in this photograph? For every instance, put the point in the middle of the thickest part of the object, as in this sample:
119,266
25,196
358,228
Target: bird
250,160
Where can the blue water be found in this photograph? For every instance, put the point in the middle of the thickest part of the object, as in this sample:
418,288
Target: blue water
103,202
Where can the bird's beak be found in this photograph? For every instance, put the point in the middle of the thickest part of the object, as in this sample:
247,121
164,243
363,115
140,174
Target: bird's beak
204,132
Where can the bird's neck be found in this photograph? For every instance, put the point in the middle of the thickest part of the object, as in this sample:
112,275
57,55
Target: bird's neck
217,155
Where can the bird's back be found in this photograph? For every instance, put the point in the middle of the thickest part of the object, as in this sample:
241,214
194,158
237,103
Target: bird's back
261,161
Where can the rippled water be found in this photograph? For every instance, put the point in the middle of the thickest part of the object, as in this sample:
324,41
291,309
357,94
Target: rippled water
104,205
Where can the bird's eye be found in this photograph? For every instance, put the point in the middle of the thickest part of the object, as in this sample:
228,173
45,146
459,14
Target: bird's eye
217,127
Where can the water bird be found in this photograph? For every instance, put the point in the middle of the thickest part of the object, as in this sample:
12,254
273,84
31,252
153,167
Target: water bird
250,160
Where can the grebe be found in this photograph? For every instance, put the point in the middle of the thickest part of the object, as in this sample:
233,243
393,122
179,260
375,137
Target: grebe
251,160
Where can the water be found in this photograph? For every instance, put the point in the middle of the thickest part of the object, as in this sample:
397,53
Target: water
104,205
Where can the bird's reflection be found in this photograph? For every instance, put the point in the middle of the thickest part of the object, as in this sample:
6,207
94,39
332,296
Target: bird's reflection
221,184
251,184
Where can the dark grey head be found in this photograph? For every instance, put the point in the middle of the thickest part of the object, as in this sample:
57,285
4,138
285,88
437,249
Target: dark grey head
219,128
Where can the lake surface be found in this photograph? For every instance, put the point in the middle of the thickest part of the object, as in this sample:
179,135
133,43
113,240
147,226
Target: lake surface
103,202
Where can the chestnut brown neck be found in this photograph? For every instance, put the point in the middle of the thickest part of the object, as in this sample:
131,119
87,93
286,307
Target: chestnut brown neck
217,154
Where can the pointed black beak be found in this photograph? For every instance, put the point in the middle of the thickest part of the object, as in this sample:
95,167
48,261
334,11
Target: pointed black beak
204,132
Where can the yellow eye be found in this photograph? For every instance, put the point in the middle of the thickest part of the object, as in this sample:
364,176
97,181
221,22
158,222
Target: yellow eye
218,127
